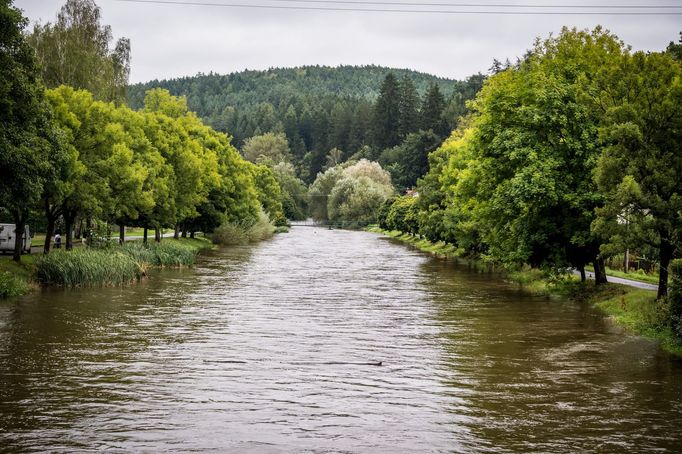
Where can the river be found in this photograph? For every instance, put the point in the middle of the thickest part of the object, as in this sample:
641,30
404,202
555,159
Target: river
276,347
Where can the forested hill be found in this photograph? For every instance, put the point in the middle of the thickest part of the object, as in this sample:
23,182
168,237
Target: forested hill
320,109
209,94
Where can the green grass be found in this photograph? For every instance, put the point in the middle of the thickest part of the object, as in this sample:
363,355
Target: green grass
16,278
632,275
88,267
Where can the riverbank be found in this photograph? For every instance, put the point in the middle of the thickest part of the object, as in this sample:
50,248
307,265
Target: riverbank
635,310
116,265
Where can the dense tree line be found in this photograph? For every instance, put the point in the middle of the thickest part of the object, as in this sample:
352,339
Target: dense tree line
320,109
75,155
569,156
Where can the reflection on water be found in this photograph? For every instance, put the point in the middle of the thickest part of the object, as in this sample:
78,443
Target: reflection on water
272,348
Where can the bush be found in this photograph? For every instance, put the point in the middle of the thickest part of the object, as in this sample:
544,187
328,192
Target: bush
233,234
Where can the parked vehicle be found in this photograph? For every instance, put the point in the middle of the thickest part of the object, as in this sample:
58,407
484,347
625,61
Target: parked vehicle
8,237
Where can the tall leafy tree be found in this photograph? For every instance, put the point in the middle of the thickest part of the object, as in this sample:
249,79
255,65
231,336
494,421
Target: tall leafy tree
534,147
28,141
640,169
77,50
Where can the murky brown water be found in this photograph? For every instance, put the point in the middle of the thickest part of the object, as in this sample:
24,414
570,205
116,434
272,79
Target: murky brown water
270,348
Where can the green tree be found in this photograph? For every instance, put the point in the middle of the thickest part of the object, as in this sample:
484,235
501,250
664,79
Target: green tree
526,184
294,191
432,109
77,51
269,148
28,140
386,118
269,193
408,104
640,169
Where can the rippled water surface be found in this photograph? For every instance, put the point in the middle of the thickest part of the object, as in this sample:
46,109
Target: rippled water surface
275,348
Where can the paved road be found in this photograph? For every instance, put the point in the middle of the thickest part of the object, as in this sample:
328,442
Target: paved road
619,280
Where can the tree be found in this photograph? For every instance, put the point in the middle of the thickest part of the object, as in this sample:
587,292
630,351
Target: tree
432,112
358,193
28,140
267,148
269,192
408,103
76,51
641,166
387,114
410,159
525,185
294,191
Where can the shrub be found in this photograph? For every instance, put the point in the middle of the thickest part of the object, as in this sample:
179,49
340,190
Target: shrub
233,234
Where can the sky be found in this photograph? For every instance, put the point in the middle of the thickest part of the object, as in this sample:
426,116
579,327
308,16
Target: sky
182,40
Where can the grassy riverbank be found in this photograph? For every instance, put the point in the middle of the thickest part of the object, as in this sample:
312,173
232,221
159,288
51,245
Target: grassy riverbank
637,311
116,265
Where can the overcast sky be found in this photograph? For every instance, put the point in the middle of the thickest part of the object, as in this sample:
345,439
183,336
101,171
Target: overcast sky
178,40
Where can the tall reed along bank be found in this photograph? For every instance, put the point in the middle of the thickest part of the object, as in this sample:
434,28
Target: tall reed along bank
116,265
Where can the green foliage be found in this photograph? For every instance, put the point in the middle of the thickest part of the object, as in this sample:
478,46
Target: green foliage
318,109
268,148
408,161
403,215
87,267
640,167
294,192
11,285
358,193
168,253
29,142
77,51
233,233
675,296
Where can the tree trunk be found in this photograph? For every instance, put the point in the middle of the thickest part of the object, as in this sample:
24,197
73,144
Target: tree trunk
583,277
79,229
20,217
191,234
665,255
157,234
176,235
184,231
144,235
599,271
68,226
51,214
121,233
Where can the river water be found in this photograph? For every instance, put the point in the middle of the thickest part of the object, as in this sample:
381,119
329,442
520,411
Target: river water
275,348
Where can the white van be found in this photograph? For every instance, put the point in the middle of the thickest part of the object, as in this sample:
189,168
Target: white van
8,238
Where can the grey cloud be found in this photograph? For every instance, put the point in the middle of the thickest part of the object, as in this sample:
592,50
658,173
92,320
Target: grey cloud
170,41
